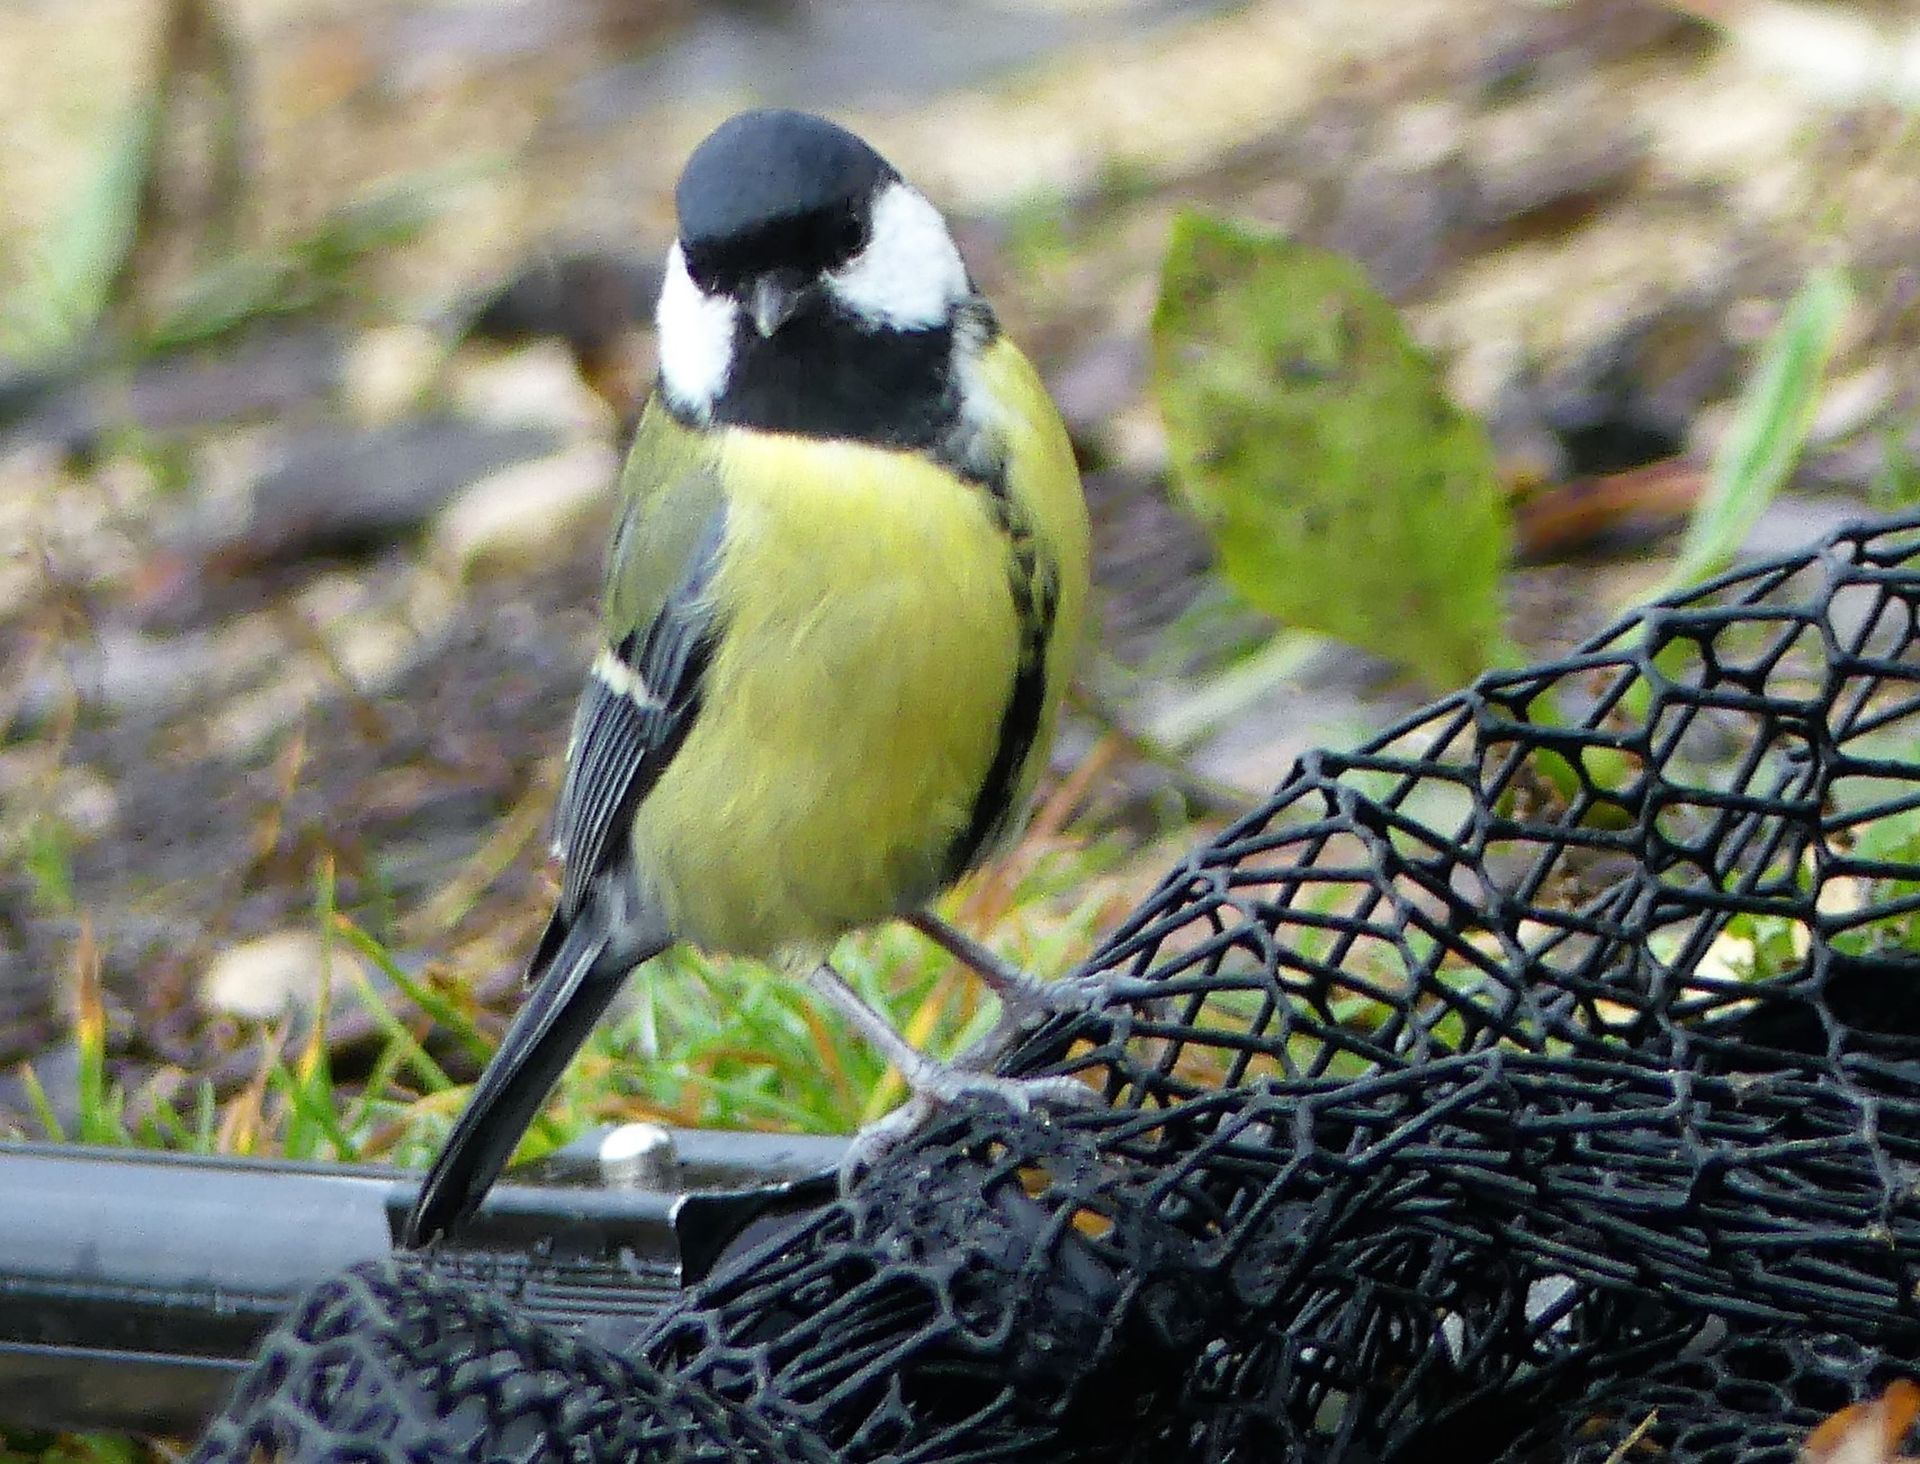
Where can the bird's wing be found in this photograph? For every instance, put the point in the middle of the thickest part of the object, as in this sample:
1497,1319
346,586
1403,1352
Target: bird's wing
645,686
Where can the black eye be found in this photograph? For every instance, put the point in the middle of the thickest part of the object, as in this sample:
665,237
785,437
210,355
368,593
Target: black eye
704,268
850,237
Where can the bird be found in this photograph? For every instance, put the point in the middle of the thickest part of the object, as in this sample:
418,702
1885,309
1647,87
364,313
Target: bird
841,607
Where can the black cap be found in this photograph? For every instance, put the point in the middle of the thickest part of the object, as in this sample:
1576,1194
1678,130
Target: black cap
775,190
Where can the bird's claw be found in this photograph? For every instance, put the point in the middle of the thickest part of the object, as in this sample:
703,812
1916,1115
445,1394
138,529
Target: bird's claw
1083,991
1080,993
940,1087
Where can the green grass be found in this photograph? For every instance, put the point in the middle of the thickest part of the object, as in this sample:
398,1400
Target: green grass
696,1041
28,1448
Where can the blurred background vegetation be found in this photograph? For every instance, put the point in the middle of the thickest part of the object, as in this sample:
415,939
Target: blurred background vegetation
1398,340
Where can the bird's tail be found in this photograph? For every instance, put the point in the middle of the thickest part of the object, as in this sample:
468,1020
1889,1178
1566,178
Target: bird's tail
574,977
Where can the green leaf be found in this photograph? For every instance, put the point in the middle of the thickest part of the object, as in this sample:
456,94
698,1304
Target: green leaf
1345,493
1769,429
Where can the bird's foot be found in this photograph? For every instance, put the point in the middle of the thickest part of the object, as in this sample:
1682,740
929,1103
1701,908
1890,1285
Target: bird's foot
1084,991
937,1086
933,1085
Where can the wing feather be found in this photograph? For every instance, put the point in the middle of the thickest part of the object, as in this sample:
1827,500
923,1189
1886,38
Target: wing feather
639,704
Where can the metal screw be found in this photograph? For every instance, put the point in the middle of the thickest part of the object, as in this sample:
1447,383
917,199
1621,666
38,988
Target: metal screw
638,1156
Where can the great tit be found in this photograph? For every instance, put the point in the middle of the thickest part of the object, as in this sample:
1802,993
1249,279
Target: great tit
841,606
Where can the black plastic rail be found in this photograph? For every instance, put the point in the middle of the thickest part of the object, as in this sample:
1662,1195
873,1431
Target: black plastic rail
134,1285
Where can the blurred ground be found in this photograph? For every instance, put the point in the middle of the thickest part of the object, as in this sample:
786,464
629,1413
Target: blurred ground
298,556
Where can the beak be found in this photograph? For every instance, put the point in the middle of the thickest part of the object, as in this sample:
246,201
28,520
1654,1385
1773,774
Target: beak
773,301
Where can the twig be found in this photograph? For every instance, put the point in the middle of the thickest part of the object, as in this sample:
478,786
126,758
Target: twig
1640,1431
1575,514
194,41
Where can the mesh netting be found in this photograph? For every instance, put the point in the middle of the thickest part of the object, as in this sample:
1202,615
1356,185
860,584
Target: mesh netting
1538,1078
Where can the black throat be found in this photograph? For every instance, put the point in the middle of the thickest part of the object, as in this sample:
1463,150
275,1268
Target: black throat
826,374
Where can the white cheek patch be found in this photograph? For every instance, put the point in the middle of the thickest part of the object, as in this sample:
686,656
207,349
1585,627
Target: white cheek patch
696,339
910,275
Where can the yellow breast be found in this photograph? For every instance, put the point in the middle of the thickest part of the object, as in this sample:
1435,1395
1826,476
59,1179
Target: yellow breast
855,698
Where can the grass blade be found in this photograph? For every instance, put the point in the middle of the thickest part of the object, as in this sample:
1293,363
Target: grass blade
1769,429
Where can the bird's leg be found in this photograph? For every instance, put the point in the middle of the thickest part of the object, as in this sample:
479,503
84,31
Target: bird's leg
933,1084
929,1076
1026,999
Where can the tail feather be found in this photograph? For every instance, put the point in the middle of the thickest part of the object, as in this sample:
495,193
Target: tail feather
574,977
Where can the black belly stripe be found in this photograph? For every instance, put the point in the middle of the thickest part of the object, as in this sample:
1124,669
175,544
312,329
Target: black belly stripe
1033,582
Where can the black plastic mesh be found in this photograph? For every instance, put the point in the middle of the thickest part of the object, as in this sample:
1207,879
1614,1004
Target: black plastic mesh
1547,1064
385,1363
1720,1397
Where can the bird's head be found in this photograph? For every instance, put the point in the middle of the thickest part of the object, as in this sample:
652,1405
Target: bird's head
811,288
